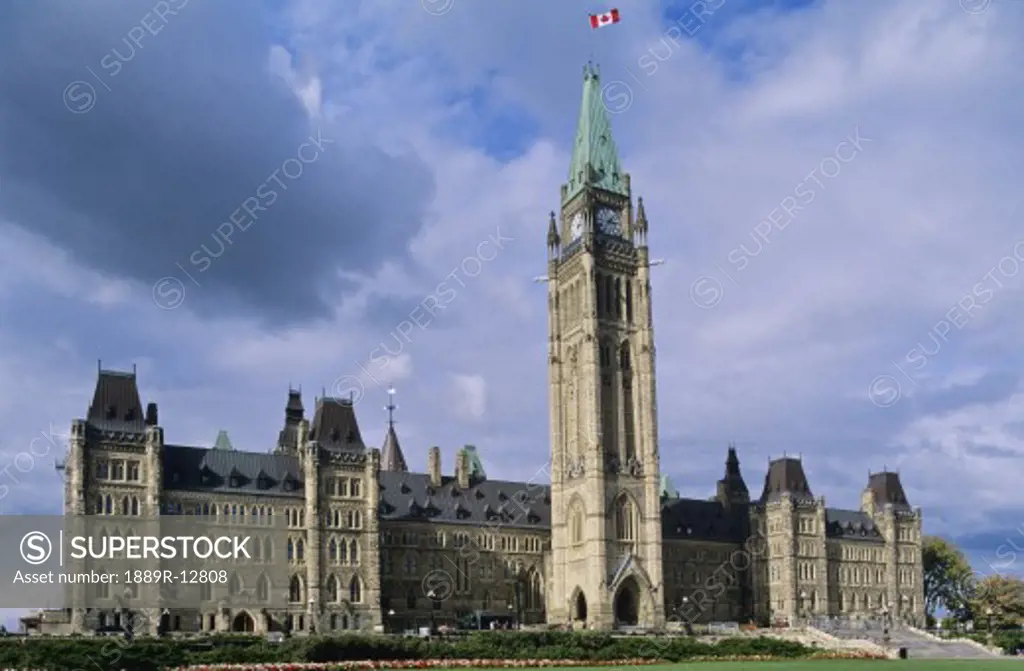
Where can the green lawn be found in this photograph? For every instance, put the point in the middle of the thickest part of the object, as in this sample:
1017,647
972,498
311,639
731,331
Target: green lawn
828,665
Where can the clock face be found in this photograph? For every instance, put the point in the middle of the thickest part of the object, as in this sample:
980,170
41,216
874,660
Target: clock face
608,221
576,228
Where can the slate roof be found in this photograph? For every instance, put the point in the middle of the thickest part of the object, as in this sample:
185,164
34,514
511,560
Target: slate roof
251,473
115,403
786,475
409,496
693,519
334,425
851,525
887,488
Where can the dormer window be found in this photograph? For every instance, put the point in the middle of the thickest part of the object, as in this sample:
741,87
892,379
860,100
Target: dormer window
334,435
130,415
350,437
111,412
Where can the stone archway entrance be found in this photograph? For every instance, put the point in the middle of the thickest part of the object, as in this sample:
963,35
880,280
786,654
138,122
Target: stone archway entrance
243,623
627,602
579,607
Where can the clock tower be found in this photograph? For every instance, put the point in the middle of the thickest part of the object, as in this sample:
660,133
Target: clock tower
605,495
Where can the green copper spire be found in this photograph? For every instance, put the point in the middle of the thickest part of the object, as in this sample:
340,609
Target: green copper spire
595,161
223,442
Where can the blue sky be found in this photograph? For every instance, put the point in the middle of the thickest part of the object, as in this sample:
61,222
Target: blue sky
449,122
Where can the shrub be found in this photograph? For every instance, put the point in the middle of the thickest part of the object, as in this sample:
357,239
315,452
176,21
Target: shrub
144,654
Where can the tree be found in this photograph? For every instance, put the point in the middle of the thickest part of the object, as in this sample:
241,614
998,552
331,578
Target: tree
1004,595
948,577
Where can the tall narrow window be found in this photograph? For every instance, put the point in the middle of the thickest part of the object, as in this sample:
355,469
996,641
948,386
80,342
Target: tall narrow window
629,447
629,301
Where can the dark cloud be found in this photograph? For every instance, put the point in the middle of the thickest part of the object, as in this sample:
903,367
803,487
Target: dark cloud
182,127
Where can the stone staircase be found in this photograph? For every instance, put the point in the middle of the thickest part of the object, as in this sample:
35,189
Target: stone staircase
920,644
816,638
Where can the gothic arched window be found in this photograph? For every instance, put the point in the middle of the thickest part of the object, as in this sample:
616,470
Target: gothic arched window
263,588
355,590
626,521
295,590
332,588
576,522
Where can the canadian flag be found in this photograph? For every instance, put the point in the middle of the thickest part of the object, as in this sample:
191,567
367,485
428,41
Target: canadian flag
606,19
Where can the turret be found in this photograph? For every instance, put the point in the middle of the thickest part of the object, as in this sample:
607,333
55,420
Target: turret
391,458
554,241
294,414
641,223
732,490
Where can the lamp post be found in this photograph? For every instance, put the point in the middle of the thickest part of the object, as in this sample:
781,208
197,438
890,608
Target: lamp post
903,609
312,617
686,622
391,619
432,595
989,612
519,603
802,614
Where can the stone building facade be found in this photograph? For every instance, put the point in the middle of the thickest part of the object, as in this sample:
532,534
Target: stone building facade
600,538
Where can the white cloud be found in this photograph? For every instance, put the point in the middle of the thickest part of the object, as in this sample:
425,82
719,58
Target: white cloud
714,143
470,396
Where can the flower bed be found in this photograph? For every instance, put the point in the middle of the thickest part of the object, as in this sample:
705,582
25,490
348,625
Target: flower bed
497,663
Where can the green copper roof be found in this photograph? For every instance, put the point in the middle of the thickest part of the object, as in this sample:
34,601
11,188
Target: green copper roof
595,161
223,442
667,490
476,467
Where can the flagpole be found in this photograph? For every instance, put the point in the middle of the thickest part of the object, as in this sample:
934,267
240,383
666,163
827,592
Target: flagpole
594,44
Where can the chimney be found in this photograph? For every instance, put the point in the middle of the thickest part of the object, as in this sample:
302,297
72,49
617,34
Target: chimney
462,468
151,415
434,466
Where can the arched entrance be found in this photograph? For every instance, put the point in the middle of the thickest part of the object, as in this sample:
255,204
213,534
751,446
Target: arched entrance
579,607
243,623
627,603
